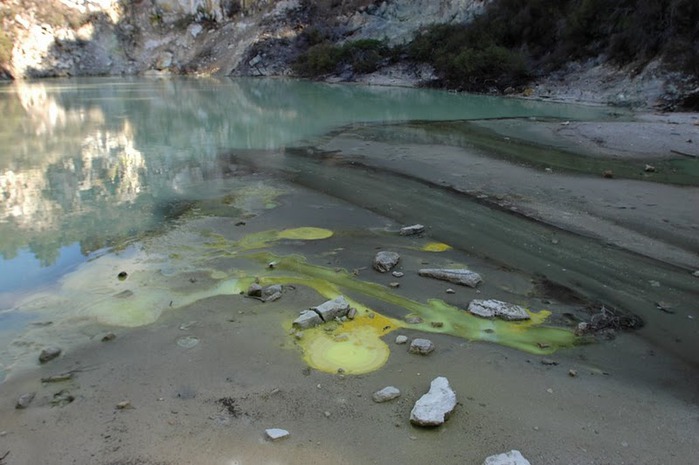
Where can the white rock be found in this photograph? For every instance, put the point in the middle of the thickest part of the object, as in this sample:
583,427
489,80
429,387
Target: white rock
496,308
384,261
421,346
457,276
276,433
412,230
332,309
386,394
401,339
513,457
307,319
433,408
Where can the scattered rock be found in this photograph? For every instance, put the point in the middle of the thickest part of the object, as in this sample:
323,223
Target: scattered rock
255,290
386,394
649,169
271,293
384,261
24,400
664,307
274,434
394,285
450,291
187,342
496,308
413,320
401,339
458,276
695,274
412,230
307,319
513,457
352,313
49,354
397,274
421,346
609,174
572,373
332,309
62,398
123,405
57,378
433,408
549,362
109,337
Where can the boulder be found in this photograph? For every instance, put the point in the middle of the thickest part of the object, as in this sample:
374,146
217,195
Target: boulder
458,276
307,319
24,400
412,230
421,346
513,457
386,394
384,261
433,408
496,308
332,309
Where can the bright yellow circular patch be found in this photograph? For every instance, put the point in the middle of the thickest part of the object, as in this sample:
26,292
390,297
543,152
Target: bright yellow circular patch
306,234
354,352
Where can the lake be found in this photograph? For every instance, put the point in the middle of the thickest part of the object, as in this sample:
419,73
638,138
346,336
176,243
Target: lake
146,208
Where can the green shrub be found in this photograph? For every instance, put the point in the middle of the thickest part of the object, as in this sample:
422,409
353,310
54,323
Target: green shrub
361,56
318,60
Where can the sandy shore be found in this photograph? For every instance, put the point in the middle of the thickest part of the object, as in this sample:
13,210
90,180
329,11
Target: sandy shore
629,403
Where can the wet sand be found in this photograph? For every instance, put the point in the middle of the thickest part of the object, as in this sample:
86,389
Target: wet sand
630,402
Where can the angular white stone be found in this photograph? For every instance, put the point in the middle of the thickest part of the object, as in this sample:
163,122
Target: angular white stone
384,261
411,230
307,319
276,433
332,309
458,276
386,394
496,308
513,457
401,339
421,346
433,408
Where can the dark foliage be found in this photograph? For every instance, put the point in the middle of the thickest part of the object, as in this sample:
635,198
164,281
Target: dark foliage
323,57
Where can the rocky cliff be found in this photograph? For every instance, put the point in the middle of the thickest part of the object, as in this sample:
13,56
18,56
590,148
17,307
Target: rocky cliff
47,38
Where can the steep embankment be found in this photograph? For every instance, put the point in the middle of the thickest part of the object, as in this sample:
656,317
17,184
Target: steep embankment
566,51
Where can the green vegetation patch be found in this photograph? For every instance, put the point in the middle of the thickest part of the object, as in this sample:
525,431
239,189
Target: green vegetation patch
360,56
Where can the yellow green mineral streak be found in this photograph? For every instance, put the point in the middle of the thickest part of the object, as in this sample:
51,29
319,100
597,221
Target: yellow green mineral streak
529,336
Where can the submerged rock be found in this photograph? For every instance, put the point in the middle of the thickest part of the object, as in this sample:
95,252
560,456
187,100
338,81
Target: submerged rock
458,276
384,261
24,400
496,308
49,354
433,408
513,457
412,230
386,394
421,346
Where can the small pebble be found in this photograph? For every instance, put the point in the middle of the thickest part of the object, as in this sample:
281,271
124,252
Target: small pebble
450,291
394,285
401,339
274,434
24,400
109,337
398,274
124,404
572,373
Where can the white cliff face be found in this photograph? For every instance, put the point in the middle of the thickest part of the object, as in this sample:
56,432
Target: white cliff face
397,21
